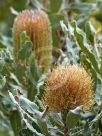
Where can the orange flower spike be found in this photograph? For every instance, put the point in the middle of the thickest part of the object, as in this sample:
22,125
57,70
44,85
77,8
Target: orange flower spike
68,87
38,28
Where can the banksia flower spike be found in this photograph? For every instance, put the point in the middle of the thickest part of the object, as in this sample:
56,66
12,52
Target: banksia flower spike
68,87
38,28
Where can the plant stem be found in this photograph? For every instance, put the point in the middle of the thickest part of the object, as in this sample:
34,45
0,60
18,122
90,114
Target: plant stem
64,115
70,12
66,133
45,112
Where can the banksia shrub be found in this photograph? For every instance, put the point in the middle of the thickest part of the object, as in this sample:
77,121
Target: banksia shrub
68,87
38,28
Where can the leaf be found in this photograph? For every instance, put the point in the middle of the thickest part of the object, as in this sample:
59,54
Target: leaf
13,11
24,38
81,39
34,70
72,119
5,126
15,120
25,132
27,105
100,125
87,65
14,78
5,105
32,90
101,64
5,41
88,116
20,72
12,97
40,85
98,15
55,20
25,51
55,39
55,24
2,81
43,126
55,120
55,5
37,4
83,7
30,127
90,31
33,76
64,27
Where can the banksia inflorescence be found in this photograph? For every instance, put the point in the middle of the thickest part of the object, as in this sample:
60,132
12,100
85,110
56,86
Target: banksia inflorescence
68,87
38,28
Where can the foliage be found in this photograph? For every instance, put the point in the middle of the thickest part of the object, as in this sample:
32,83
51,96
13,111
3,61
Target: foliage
77,39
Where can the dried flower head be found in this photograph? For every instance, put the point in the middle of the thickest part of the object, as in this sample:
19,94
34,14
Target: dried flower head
38,28
68,87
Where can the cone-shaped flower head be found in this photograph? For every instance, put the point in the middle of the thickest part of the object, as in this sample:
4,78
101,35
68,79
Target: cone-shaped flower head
38,28
68,87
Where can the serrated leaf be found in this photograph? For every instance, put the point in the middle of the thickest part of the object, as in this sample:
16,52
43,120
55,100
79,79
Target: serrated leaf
20,72
32,90
90,31
12,97
27,105
87,65
25,51
30,127
34,71
24,38
81,39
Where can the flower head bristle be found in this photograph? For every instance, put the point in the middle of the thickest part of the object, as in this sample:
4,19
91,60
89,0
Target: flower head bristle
38,28
68,87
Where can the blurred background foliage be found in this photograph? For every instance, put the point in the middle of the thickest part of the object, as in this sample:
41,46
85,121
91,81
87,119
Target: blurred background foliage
80,10
30,79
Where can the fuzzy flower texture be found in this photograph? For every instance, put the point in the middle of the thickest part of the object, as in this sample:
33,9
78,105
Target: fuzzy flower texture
68,87
38,28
